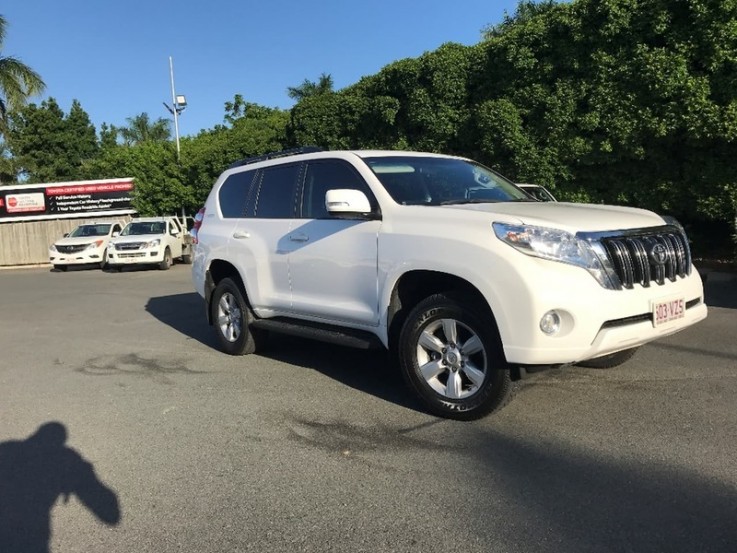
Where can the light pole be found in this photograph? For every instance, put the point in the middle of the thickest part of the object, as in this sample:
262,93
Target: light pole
179,102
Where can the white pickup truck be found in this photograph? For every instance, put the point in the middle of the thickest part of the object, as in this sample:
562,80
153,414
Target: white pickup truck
151,241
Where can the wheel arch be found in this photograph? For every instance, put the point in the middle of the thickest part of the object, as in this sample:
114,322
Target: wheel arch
416,285
219,270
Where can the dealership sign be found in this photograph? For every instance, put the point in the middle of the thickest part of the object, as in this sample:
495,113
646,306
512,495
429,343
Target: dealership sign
63,200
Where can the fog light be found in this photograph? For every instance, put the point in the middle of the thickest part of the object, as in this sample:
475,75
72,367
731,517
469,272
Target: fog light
550,323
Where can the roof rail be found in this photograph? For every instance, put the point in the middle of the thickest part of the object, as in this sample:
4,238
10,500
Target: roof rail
273,155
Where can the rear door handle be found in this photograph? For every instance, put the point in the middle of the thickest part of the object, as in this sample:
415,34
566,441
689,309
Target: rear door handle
301,237
239,234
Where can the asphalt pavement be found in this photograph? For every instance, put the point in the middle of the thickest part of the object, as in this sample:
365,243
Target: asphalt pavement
123,428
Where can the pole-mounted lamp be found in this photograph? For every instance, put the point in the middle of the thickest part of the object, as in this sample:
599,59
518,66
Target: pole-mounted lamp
179,103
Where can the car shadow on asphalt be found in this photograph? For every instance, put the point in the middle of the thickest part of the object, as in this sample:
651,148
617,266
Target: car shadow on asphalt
369,371
184,313
720,289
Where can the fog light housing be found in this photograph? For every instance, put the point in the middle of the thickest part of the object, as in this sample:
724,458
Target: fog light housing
550,323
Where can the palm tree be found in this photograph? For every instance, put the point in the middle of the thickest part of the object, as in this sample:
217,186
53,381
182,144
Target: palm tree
141,129
18,82
310,88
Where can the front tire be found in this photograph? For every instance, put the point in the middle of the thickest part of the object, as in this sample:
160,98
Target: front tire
609,361
451,356
103,263
231,317
167,261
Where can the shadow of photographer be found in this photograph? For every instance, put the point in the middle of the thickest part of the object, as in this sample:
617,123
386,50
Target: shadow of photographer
34,474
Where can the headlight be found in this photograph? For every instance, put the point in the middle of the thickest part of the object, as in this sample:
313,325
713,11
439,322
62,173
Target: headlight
52,248
558,245
94,245
111,246
154,243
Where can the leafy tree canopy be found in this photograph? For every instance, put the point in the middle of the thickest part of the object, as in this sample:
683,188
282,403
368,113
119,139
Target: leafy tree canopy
18,82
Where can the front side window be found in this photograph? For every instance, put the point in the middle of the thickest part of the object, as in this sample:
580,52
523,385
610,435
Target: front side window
275,198
426,180
322,176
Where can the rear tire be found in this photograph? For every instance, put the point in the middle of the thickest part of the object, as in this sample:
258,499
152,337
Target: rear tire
187,259
231,318
609,361
167,261
451,356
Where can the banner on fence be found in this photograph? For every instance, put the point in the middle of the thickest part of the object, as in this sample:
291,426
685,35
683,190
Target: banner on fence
64,200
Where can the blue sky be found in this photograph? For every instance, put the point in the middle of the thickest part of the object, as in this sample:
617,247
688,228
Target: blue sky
114,56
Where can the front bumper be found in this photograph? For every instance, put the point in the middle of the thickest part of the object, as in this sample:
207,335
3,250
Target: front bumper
594,321
135,257
85,257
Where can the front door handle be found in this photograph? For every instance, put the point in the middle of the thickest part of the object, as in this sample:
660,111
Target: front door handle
239,234
301,237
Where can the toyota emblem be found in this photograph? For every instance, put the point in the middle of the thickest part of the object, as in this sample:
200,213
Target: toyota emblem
659,254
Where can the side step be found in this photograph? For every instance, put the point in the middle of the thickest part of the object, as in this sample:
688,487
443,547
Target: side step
324,333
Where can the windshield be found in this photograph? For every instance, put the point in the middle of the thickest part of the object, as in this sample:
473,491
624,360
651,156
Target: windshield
90,230
425,180
138,228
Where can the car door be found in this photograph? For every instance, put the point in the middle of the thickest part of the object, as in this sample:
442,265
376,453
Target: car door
174,238
333,261
258,237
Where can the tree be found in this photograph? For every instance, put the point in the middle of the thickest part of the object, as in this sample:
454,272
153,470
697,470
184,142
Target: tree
141,129
8,171
49,146
308,88
81,135
108,136
235,109
258,130
18,82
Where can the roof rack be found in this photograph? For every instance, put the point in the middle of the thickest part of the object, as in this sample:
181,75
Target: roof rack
273,155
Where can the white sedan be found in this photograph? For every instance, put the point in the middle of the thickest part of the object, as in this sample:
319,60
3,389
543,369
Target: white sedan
87,244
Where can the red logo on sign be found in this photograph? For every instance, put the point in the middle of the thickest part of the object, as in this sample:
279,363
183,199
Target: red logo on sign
2,202
12,202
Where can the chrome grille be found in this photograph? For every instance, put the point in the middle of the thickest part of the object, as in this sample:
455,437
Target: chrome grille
129,246
643,257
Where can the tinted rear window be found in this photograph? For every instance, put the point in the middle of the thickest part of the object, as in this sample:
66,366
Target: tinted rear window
276,193
234,193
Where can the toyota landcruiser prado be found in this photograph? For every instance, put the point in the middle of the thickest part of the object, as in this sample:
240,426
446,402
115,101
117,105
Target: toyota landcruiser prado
462,276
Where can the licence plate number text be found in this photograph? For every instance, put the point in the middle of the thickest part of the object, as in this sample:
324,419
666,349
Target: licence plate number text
666,311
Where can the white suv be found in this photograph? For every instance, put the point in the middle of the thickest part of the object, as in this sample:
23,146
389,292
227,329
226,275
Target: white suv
462,276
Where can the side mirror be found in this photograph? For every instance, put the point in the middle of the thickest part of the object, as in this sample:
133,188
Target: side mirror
116,234
345,201
66,235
